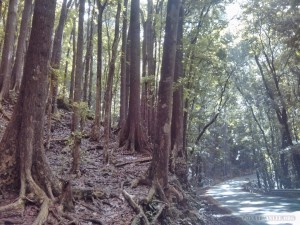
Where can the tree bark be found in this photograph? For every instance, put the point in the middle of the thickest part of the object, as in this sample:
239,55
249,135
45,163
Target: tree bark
91,58
160,162
144,104
56,55
23,158
66,67
21,48
178,156
78,92
132,135
88,54
123,75
108,92
95,135
151,68
71,94
7,52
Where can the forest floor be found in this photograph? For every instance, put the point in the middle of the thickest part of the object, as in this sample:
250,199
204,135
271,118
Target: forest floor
98,190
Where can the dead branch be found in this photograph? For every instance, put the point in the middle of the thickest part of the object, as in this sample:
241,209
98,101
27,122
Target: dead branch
88,194
95,147
60,139
138,209
146,159
88,207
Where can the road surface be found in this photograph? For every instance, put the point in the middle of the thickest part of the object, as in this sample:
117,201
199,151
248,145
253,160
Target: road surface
254,208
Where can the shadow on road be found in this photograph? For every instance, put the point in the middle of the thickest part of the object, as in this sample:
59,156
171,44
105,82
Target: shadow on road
254,208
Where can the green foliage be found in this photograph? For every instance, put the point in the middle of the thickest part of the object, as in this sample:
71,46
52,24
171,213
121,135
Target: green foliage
82,107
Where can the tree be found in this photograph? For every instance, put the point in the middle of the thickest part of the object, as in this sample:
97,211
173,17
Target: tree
123,75
55,65
7,53
178,156
151,67
88,54
56,54
23,160
95,135
21,48
74,43
91,57
160,157
77,106
132,135
108,91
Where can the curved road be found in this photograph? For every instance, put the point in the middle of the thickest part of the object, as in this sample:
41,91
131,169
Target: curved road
254,208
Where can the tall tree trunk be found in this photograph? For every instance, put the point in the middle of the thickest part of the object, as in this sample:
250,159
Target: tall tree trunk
144,103
78,92
123,75
127,92
151,68
91,80
161,151
91,64
7,52
95,135
109,86
21,48
178,156
71,94
66,67
21,148
88,54
56,54
132,135
55,67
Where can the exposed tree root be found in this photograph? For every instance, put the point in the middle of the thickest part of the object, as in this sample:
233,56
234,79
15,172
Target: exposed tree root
173,191
158,214
137,208
4,113
60,215
17,206
140,181
43,214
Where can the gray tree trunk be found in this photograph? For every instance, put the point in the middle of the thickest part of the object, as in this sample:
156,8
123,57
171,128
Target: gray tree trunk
161,151
17,72
7,53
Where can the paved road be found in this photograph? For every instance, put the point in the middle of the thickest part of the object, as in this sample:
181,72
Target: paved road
254,208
